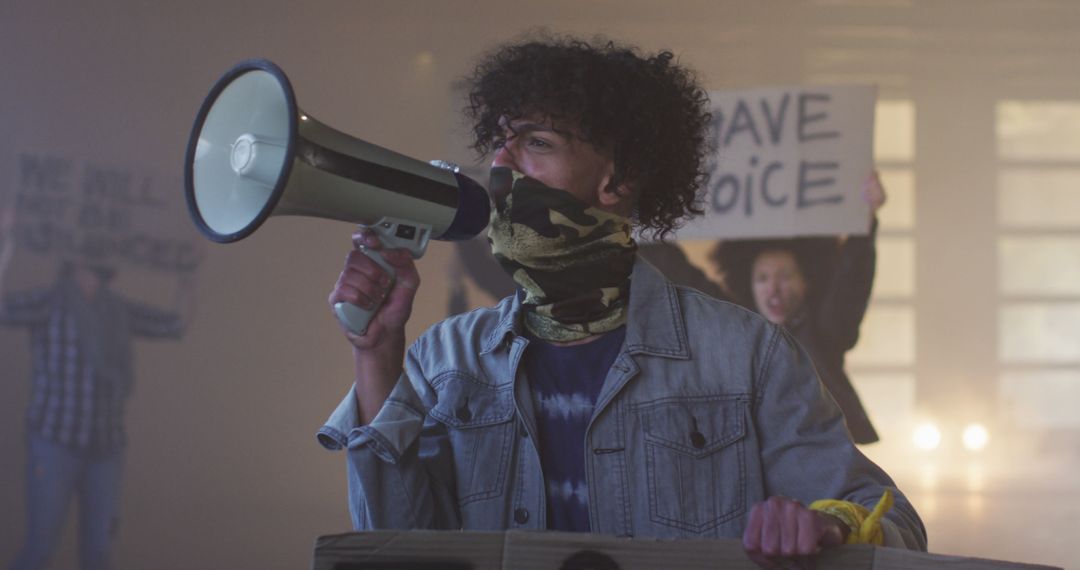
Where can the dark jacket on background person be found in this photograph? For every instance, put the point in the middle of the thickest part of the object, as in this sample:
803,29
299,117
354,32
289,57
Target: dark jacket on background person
829,327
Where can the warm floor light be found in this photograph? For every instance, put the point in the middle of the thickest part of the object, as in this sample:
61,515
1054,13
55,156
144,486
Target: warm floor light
975,437
927,436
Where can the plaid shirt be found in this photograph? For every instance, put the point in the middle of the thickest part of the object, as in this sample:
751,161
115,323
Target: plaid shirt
69,404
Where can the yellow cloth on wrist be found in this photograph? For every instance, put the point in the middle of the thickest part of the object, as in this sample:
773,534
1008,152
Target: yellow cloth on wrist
865,524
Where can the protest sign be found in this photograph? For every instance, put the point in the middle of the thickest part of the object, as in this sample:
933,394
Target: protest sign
82,210
787,162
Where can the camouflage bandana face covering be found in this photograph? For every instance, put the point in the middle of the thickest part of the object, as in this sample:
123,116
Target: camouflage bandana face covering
572,260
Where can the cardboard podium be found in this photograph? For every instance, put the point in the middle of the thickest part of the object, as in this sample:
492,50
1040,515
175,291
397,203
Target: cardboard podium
535,550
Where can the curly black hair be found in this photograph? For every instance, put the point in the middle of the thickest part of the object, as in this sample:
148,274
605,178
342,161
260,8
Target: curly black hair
734,261
646,110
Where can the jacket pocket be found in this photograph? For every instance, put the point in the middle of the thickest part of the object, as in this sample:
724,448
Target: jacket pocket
696,460
478,418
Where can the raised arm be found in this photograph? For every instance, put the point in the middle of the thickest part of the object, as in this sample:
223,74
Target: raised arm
23,309
843,303
378,354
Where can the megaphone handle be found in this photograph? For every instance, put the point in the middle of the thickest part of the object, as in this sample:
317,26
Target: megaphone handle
393,233
356,318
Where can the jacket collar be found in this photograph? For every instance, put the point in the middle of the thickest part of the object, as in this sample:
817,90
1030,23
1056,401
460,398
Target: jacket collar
509,324
655,323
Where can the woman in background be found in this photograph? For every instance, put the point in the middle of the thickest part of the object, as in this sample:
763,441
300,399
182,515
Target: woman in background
817,288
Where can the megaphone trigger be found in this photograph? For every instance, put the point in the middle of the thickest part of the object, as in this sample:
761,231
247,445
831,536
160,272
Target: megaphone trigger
393,234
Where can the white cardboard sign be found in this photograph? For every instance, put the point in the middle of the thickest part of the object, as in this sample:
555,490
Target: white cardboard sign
75,208
790,161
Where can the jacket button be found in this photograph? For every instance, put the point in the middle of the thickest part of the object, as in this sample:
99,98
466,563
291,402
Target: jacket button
464,414
521,516
697,440
524,431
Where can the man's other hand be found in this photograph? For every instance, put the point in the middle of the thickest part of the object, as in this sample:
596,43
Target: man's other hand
782,529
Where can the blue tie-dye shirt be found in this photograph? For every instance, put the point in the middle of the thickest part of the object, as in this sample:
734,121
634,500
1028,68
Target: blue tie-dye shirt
565,382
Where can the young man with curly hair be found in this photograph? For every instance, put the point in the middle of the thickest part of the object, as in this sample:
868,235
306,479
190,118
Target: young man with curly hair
600,397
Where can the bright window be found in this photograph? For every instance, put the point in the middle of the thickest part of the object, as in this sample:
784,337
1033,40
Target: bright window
1038,191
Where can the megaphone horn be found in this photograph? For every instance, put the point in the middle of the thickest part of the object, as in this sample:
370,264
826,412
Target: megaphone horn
254,154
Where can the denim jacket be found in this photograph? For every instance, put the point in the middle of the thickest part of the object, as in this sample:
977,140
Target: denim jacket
707,410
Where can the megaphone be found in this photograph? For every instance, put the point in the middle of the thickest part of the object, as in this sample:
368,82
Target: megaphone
254,154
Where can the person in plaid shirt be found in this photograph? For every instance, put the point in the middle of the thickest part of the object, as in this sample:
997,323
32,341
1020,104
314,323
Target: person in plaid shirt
81,375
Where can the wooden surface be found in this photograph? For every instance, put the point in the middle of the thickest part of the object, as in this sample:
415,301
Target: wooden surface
527,550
